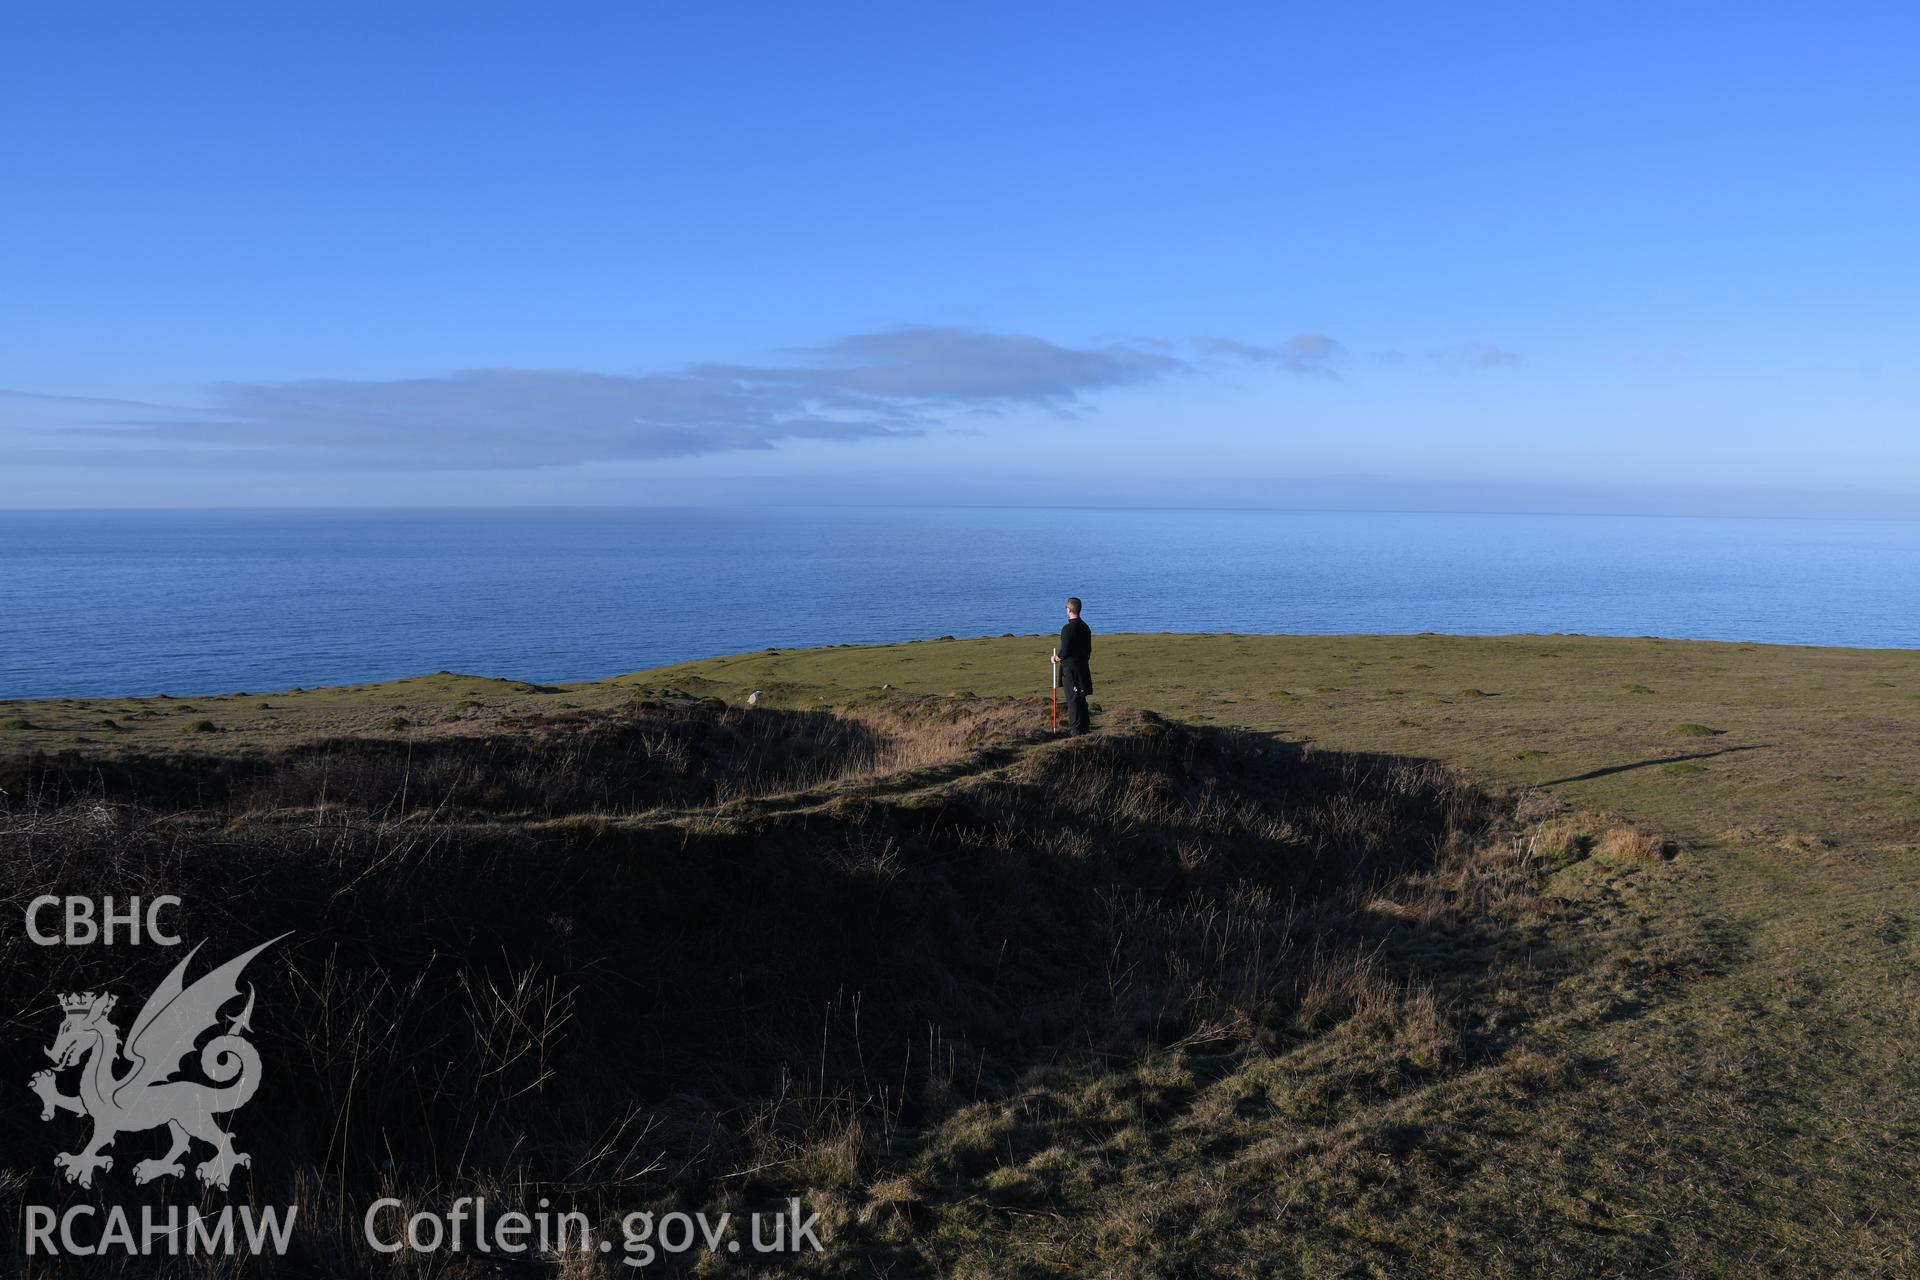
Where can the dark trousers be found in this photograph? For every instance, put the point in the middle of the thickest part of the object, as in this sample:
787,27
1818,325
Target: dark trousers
1077,719
1076,684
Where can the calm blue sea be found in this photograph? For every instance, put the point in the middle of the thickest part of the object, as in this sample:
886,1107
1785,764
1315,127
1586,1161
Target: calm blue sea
101,603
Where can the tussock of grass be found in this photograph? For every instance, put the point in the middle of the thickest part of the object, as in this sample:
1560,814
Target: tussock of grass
1628,844
1560,840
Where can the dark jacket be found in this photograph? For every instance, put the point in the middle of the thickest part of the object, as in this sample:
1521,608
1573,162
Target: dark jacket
1076,653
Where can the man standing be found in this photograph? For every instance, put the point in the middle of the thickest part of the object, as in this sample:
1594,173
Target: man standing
1072,657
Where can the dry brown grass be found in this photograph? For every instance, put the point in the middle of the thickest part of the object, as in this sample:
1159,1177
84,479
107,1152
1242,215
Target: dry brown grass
1628,844
1561,839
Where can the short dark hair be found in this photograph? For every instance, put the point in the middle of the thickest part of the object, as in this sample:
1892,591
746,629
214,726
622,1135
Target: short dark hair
1073,603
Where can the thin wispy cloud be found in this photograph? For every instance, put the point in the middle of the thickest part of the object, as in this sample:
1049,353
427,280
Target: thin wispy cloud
896,383
1308,354
959,366
889,384
1462,355
42,398
1478,355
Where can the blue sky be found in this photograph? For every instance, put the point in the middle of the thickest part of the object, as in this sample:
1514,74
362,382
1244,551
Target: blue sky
1530,257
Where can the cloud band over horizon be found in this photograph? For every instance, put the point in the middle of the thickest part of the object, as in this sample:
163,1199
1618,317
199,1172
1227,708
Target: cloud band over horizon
903,382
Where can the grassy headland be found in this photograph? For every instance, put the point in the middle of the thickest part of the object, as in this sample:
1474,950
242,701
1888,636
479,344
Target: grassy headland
1702,737
1344,955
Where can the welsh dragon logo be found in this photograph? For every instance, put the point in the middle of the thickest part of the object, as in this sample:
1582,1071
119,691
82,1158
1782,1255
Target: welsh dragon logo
144,1095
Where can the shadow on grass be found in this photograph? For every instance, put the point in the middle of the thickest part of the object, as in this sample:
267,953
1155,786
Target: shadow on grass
1611,769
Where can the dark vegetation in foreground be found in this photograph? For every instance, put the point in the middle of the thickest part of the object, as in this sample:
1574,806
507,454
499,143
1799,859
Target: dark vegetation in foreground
687,955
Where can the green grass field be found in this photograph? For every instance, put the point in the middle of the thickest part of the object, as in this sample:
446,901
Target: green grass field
1696,1065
